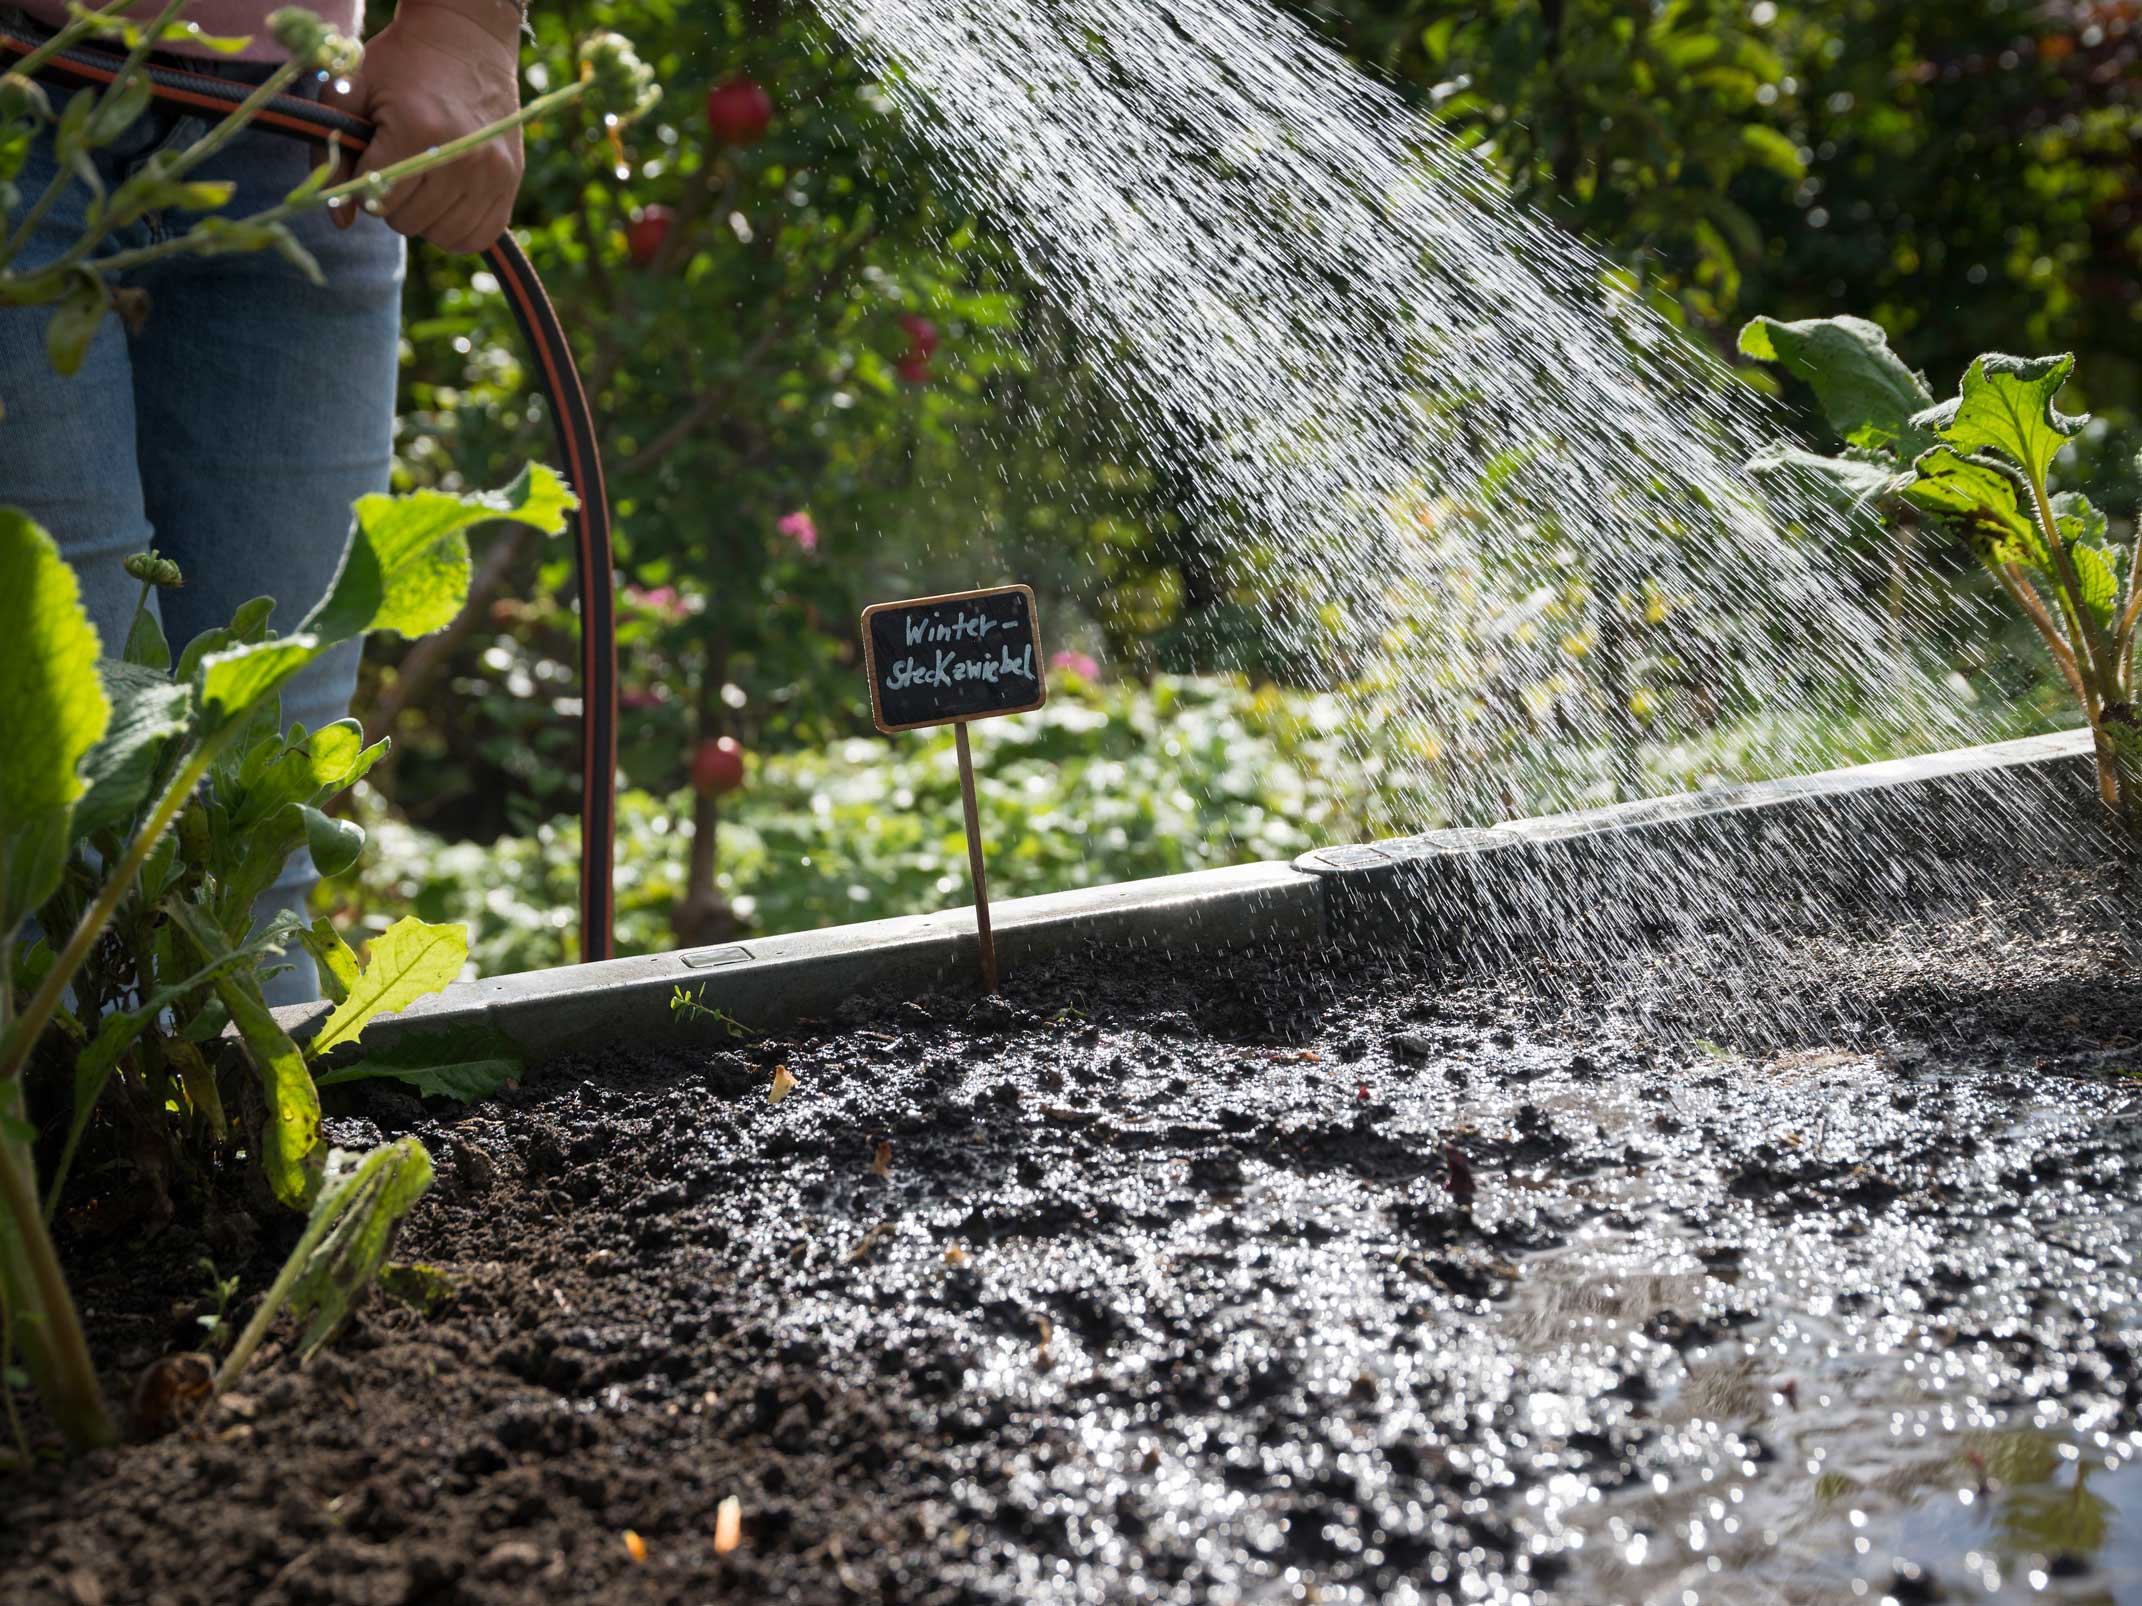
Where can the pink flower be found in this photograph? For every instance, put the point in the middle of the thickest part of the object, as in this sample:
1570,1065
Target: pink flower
639,699
799,529
1079,663
664,601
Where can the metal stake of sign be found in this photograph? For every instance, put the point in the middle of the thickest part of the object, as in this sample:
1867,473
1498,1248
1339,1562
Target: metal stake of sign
949,660
974,859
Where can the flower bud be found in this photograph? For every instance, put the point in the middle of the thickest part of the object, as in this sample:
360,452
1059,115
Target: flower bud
23,100
622,85
312,43
153,570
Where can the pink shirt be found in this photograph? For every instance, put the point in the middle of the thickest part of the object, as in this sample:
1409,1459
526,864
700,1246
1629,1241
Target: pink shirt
228,18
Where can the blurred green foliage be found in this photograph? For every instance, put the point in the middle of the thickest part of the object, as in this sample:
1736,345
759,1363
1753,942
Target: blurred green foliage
1962,172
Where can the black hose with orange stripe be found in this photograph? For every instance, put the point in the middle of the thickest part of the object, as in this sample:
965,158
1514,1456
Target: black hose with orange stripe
575,424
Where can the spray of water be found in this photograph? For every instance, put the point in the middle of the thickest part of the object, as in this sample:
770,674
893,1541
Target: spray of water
1478,476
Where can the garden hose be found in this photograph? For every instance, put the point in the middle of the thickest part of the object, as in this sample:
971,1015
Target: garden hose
307,120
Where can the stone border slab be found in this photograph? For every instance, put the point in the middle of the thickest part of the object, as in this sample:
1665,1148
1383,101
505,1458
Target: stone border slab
775,981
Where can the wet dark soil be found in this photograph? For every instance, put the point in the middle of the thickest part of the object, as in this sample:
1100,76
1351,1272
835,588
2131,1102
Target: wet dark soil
1290,1278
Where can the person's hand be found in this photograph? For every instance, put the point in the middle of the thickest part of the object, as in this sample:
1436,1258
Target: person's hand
441,69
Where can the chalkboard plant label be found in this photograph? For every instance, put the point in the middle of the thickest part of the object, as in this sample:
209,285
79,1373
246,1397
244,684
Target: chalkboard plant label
951,660
943,660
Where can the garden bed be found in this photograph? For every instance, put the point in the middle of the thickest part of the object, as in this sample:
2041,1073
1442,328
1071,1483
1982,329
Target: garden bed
1319,1268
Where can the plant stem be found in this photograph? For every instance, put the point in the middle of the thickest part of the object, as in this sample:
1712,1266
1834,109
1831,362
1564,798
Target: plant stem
7,1363
66,39
69,1385
15,1046
384,178
2025,595
2089,639
272,1301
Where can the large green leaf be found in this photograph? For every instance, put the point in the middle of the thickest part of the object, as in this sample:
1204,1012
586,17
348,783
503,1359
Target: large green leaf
1979,500
465,1063
238,680
147,711
406,568
408,960
54,706
1867,393
2007,406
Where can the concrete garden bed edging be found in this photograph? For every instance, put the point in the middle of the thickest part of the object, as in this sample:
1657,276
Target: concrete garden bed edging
1596,857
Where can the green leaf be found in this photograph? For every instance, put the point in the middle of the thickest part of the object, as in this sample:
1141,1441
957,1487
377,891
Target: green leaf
407,961
360,1207
1844,482
250,622
1771,149
1868,395
1977,498
147,711
290,1148
2007,407
237,680
465,1063
334,844
145,644
118,108
2084,530
337,965
55,710
304,769
406,568
74,323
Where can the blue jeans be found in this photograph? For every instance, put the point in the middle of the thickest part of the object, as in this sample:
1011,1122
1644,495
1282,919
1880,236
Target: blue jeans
231,431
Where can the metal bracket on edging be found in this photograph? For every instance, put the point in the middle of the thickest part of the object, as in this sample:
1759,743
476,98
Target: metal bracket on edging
771,982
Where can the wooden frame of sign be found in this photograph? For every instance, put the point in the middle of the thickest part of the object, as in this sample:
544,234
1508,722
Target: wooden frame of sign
954,712
928,669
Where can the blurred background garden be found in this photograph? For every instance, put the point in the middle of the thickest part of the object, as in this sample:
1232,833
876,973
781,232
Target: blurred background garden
824,381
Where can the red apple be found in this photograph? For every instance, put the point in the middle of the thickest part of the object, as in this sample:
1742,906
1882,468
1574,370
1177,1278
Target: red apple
644,238
718,766
921,333
738,112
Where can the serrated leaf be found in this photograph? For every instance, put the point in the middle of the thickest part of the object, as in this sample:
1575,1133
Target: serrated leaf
406,568
55,709
2007,406
147,710
1869,396
1979,500
465,1063
361,1205
409,960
